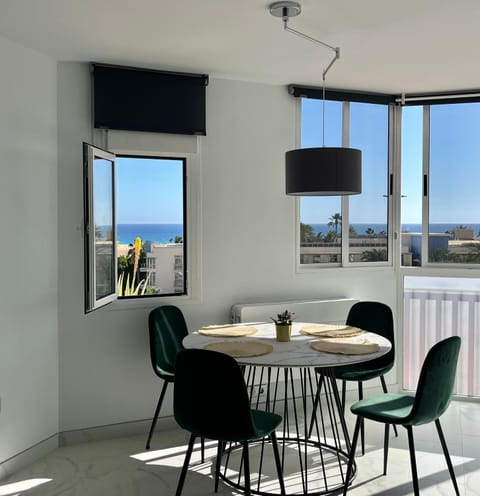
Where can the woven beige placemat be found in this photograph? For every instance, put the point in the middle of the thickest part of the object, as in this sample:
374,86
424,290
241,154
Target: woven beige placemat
331,330
224,331
241,349
345,346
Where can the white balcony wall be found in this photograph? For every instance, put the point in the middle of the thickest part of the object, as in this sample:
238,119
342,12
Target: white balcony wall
436,308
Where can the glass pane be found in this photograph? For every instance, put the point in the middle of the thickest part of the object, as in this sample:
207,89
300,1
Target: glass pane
104,226
454,211
150,226
369,210
320,217
412,183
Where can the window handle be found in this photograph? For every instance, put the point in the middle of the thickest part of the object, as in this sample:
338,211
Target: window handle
425,185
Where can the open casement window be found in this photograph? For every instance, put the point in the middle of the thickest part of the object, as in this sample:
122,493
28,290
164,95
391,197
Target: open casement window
135,226
100,245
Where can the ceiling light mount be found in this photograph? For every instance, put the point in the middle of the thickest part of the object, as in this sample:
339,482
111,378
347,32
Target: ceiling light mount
285,9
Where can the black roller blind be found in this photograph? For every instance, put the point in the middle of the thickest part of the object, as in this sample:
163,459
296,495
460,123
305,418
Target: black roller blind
135,99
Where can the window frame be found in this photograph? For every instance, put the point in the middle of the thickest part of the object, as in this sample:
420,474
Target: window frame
390,186
192,232
426,170
90,153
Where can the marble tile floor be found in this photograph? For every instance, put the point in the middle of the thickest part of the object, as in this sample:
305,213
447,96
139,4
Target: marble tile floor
122,467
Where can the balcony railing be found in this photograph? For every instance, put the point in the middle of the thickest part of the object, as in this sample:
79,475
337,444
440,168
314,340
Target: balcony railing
432,314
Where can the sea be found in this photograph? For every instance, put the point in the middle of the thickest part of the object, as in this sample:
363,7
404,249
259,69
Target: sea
163,233
158,233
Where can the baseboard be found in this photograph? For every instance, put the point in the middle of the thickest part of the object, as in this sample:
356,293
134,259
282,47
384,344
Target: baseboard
78,436
28,456
125,429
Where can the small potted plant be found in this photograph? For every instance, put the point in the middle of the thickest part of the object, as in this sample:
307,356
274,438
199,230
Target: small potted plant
283,325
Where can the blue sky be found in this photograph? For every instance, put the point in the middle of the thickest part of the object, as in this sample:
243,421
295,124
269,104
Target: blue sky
149,191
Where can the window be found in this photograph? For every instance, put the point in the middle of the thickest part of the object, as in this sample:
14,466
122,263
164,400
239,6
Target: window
326,236
368,212
100,257
320,217
412,183
150,263
440,212
150,207
138,208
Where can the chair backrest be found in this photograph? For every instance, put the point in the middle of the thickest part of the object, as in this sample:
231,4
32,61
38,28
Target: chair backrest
167,328
436,381
375,317
210,396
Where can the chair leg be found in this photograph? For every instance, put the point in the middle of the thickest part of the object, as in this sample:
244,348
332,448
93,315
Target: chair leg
246,468
315,405
447,455
385,390
344,394
411,447
351,456
276,455
185,465
155,415
362,428
217,464
202,448
385,448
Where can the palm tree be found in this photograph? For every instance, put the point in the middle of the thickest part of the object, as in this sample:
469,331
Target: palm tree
306,232
369,231
330,237
334,221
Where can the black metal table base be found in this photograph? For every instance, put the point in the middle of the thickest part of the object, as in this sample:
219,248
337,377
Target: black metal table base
313,464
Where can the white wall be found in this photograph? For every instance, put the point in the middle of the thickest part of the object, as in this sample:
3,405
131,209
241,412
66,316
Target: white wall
247,252
28,256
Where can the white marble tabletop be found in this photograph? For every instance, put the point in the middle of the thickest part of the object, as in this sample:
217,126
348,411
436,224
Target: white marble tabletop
295,353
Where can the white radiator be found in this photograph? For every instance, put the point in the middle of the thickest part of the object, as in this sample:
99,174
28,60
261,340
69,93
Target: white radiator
326,310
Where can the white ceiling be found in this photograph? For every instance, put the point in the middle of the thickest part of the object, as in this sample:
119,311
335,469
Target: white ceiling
386,45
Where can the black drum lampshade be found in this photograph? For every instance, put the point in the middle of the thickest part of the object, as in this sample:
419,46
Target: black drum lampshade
324,171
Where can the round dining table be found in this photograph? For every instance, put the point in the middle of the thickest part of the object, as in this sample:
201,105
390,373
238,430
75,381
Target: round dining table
286,379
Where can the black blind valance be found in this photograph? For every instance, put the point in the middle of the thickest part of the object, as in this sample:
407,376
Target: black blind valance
466,96
134,99
339,95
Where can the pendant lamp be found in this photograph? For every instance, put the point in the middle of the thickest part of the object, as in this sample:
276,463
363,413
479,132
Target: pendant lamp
321,171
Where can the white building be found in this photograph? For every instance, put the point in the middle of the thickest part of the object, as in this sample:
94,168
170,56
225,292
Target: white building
164,263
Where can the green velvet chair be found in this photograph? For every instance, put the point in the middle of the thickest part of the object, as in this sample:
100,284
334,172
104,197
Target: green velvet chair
434,392
167,328
375,317
214,404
